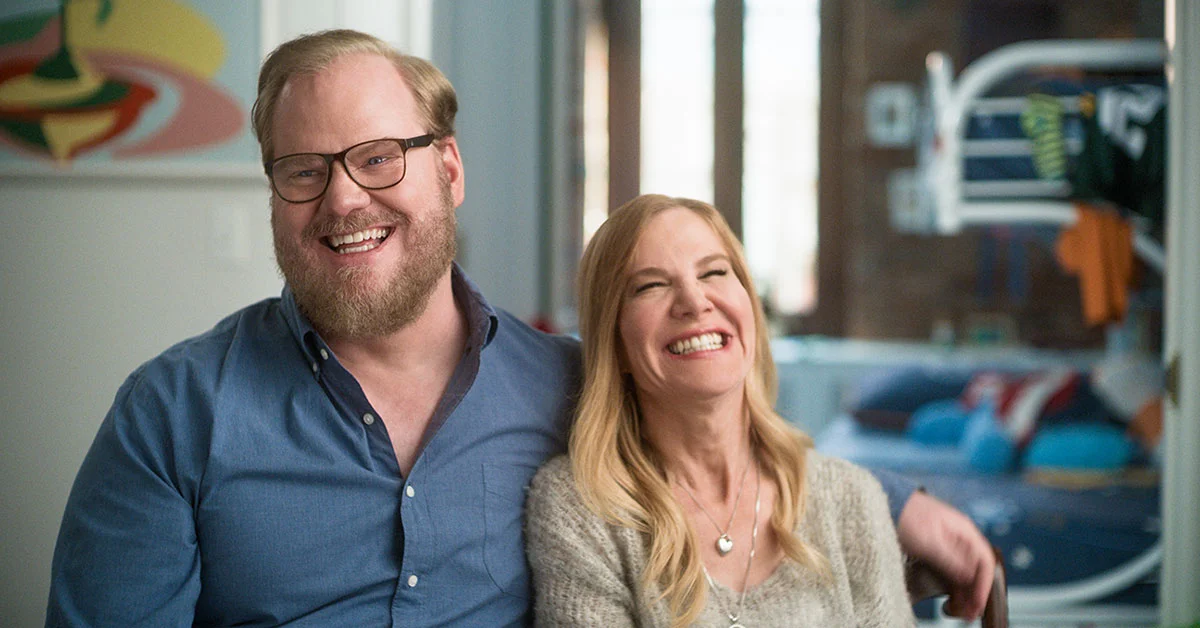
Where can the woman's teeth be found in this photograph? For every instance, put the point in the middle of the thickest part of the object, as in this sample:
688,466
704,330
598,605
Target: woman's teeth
703,342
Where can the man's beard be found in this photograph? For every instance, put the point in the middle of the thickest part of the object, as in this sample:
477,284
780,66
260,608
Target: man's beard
347,302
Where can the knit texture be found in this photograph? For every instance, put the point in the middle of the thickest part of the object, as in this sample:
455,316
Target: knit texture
589,573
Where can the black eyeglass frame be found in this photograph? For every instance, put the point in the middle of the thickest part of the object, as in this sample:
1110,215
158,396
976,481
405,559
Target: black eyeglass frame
418,141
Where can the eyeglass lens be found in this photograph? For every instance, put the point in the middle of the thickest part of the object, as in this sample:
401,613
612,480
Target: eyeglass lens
374,165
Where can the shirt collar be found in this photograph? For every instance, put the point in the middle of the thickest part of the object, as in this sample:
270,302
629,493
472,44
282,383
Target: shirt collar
482,320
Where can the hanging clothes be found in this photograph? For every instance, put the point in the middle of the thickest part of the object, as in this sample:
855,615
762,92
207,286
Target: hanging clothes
1124,154
1099,249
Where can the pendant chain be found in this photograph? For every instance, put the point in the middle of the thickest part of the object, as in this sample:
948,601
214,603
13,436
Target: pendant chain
735,616
724,543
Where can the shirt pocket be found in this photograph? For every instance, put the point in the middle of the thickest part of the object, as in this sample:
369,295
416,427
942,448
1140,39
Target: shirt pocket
505,486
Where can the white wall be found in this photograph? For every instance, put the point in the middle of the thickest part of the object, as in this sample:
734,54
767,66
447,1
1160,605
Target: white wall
99,274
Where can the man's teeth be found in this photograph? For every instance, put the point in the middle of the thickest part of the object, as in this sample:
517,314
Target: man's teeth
703,342
369,239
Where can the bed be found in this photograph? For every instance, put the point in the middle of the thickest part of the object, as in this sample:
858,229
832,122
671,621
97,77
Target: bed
1083,549
1076,556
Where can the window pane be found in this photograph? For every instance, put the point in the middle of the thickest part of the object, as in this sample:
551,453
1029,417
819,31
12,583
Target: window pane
779,186
595,121
677,98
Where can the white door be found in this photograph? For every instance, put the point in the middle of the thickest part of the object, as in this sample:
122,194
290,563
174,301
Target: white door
1180,585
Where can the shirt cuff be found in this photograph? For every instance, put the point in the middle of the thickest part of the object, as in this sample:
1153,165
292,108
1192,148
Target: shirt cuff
897,488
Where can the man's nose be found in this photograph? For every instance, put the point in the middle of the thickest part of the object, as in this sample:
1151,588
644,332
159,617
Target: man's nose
343,195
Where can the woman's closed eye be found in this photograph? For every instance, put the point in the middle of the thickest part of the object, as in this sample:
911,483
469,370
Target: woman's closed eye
643,287
715,272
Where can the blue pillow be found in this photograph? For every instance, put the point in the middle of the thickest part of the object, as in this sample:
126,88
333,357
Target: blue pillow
941,422
1080,446
986,447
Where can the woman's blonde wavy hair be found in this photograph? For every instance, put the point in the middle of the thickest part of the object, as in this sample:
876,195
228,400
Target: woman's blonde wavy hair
617,474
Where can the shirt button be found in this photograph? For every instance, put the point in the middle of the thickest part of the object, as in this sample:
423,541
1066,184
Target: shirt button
324,354
369,418
315,367
412,580
409,491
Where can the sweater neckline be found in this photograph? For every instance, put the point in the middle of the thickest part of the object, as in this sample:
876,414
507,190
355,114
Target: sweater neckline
763,586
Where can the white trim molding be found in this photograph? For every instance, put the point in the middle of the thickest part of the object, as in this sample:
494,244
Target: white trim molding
1179,592
405,24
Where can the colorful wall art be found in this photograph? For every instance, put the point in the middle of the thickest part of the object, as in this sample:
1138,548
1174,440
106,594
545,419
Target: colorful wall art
121,82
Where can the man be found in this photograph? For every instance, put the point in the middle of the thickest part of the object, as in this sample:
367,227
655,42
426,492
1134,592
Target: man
354,452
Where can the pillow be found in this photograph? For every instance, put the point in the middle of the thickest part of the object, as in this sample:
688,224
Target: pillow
1083,446
1025,402
1127,383
986,446
941,422
887,402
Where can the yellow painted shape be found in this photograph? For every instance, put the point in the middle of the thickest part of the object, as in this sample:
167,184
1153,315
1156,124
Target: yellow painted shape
163,30
33,90
66,131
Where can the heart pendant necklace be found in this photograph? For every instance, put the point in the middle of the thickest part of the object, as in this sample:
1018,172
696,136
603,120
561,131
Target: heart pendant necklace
735,617
724,542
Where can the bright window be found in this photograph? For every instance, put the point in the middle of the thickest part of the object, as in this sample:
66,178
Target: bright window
779,184
779,126
677,98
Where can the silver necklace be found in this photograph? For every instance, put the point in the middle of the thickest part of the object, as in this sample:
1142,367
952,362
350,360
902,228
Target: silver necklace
735,616
724,543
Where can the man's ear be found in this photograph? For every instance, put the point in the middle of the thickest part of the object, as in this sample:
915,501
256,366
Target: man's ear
452,163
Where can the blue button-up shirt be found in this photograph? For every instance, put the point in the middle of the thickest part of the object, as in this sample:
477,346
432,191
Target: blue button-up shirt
242,477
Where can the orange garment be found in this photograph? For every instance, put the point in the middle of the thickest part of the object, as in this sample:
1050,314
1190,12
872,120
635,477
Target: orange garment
1099,248
1146,426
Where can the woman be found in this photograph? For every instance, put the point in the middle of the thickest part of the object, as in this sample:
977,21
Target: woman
684,498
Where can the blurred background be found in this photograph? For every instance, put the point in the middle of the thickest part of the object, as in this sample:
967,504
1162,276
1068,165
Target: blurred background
817,127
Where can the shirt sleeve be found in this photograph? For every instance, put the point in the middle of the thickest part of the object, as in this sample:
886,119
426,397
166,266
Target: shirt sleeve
576,570
897,488
127,553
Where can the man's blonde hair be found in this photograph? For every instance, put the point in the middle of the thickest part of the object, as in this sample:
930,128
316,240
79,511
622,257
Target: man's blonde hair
618,476
309,54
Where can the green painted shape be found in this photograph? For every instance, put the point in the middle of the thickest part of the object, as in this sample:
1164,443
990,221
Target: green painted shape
28,132
24,26
57,67
112,91
105,11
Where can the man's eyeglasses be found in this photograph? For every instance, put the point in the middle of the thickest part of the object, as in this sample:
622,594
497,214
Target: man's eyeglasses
374,165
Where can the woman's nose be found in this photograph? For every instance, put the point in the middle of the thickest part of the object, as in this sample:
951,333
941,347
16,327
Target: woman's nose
691,300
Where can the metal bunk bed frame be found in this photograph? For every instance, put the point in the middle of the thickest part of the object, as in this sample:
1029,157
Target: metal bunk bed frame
952,101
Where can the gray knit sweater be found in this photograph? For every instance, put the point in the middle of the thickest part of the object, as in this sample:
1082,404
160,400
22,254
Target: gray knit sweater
589,573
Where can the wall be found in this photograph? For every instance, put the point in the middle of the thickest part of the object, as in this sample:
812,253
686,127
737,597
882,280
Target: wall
491,53
99,274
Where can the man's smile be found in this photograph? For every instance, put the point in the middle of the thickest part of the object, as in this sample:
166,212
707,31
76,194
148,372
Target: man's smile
358,241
